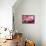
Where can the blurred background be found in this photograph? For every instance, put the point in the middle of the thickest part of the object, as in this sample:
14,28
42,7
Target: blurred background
36,31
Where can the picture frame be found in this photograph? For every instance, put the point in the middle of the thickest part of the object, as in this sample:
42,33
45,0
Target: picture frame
28,19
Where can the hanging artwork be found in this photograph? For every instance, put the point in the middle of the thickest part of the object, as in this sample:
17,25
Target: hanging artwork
28,19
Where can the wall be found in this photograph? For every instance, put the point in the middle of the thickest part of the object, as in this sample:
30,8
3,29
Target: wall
6,13
43,22
30,31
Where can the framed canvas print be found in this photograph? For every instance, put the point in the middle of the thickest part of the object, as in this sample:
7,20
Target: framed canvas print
28,19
